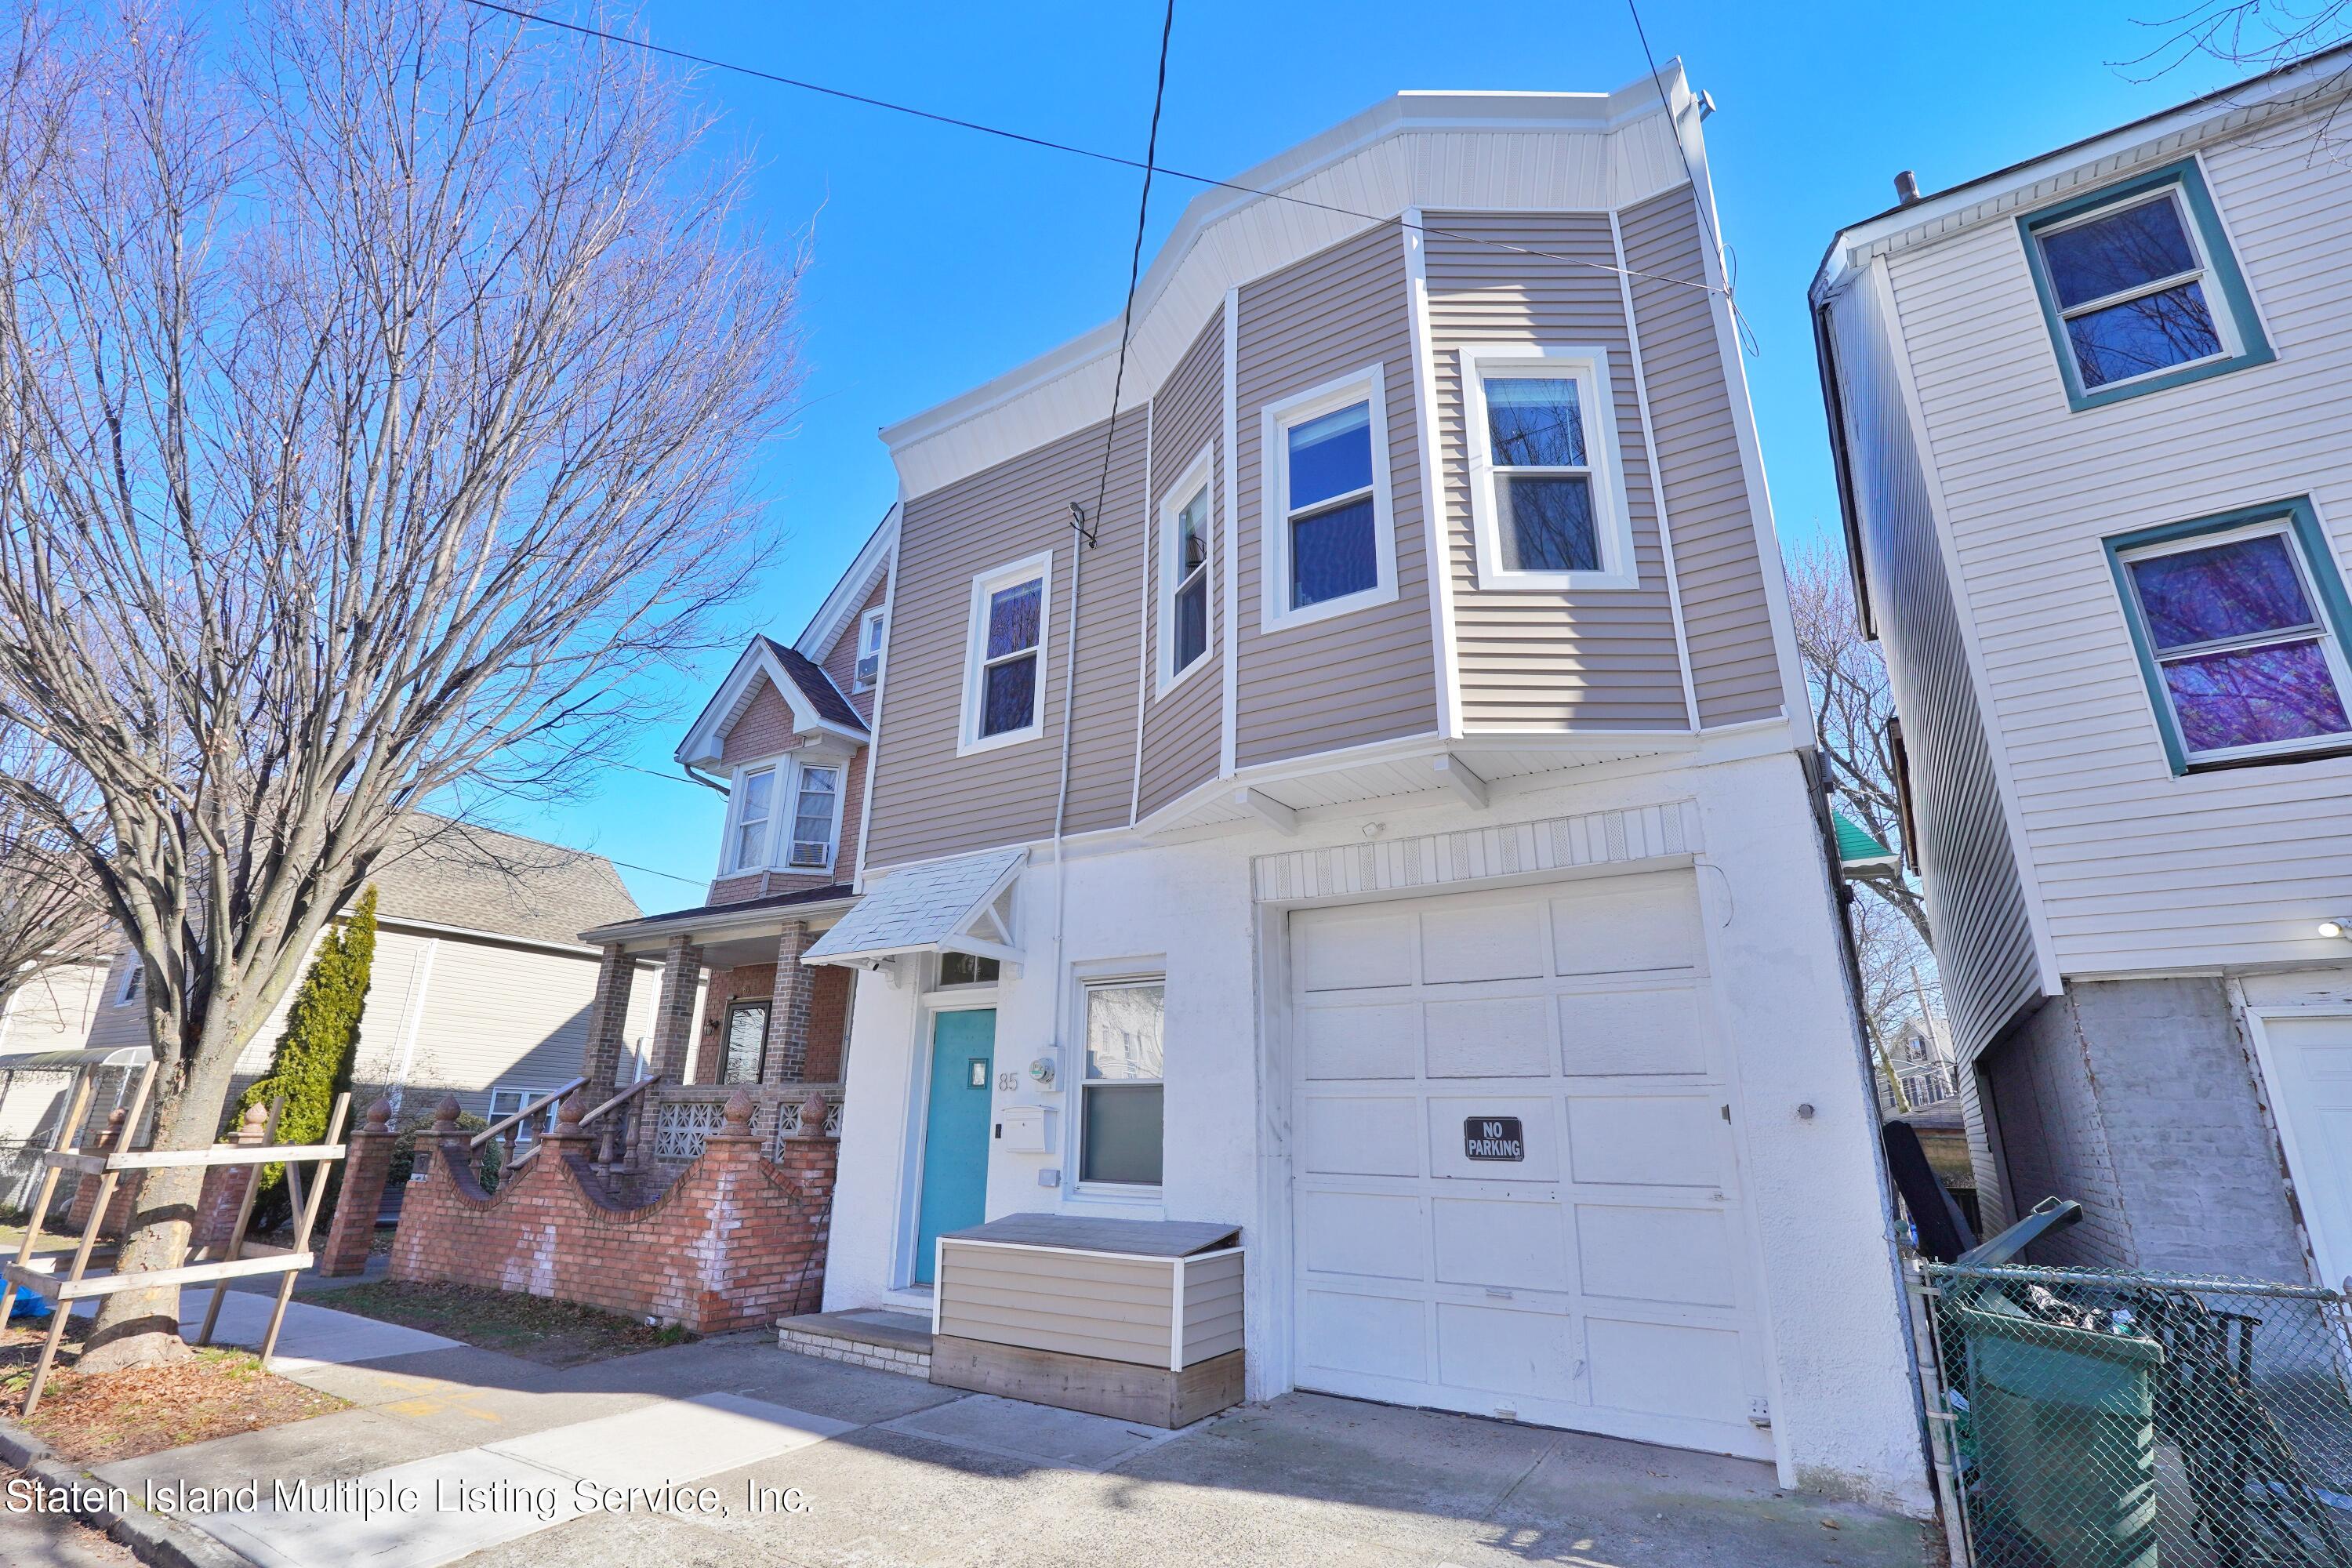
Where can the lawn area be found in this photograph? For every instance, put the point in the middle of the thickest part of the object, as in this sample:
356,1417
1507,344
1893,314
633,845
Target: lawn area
121,1415
553,1333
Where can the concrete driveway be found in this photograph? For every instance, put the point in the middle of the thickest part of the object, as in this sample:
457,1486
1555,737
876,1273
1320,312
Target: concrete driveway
810,1462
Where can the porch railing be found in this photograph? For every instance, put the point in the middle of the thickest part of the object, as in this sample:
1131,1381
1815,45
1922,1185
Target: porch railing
683,1116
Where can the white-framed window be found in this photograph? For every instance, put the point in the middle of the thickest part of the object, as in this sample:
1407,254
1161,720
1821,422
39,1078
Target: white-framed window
817,813
1187,523
506,1102
1122,1120
753,802
1004,655
135,982
869,650
1546,496
1328,535
966,968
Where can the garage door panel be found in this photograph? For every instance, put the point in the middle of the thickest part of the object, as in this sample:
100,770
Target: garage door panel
1377,1236
1504,1350
1629,924
1376,1040
1653,1031
1648,1141
1538,1118
1679,1256
1500,1245
1360,1135
1379,1336
1666,1369
1498,1036
1481,941
1351,950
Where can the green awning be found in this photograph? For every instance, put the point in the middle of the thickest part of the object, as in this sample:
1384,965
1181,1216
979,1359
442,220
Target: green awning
1860,852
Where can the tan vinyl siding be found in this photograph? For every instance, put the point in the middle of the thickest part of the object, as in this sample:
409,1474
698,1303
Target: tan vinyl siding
1181,730
1548,661
1984,940
1075,1304
1212,1307
930,802
1726,618
2138,869
1370,675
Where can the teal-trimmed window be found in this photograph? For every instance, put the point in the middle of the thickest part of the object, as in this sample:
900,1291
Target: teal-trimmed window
2139,288
2239,622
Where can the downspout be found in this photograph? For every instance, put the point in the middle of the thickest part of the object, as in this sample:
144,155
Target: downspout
1079,530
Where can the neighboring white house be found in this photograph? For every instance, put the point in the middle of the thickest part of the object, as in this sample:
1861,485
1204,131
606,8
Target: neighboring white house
1385,821
480,986
2093,421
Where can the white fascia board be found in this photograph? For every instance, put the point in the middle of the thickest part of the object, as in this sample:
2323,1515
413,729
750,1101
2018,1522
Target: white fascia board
707,739
2163,135
1424,181
848,596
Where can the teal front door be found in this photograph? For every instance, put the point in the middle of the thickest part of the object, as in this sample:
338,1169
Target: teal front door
955,1131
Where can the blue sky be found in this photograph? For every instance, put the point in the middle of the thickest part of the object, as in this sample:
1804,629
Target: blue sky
939,257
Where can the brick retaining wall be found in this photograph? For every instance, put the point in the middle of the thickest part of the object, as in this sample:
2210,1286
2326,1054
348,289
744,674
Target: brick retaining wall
737,1241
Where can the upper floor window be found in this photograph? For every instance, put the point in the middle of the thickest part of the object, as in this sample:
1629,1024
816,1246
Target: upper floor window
817,807
1184,531
2140,289
1548,507
134,980
755,797
2239,622
869,650
1004,655
1330,545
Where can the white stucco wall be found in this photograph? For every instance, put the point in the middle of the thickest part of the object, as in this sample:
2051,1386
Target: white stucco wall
1844,1412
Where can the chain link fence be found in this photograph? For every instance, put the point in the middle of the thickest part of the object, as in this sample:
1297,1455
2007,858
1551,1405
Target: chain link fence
2093,1419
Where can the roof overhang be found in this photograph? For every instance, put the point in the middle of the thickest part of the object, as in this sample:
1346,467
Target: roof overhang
959,905
73,1061
706,742
831,617
716,923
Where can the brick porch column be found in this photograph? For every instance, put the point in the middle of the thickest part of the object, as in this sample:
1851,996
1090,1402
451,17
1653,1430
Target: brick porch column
608,1022
674,1023
365,1168
785,1060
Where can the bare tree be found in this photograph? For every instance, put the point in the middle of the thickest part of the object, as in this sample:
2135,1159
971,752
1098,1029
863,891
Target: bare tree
2265,35
50,915
376,394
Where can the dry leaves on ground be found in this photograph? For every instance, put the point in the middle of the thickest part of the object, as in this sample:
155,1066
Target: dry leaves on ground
123,1414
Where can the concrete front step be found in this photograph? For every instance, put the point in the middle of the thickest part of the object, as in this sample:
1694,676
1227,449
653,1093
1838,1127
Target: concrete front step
875,1336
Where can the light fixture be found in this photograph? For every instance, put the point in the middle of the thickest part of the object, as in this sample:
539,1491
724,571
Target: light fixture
2336,925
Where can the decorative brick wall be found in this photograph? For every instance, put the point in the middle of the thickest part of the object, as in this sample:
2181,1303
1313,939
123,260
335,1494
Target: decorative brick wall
737,1241
351,1235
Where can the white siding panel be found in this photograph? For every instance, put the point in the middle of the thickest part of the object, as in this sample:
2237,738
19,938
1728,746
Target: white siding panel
2140,868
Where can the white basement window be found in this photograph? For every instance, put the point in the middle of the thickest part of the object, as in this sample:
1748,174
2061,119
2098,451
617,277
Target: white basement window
816,808
1547,499
1004,655
1185,528
1328,537
1120,1104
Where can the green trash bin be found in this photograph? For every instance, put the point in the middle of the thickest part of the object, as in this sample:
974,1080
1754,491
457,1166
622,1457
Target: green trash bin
2065,1423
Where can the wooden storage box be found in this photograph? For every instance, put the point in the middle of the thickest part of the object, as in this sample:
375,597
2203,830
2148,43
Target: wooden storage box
1140,1320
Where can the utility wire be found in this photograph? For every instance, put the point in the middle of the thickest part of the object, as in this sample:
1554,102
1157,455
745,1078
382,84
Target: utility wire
1748,339
1134,268
1048,143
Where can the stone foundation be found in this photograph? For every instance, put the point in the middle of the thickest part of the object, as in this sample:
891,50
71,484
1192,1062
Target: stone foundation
736,1241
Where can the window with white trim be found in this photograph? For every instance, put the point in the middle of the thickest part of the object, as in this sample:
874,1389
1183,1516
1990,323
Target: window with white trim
1121,1123
1330,539
1004,655
816,809
2233,627
505,1102
869,650
134,980
754,802
1547,497
1185,529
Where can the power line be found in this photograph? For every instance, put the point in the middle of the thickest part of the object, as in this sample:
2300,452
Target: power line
1134,263
1722,252
1048,143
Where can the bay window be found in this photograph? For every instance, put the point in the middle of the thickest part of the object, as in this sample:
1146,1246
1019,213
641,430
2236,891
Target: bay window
1328,538
1547,499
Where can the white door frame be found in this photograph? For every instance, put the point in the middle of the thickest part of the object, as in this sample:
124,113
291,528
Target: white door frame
2258,1016
916,1119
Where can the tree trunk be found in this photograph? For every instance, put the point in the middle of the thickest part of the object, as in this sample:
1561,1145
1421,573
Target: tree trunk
142,1328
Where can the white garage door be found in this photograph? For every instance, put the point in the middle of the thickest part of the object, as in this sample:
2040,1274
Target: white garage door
1513,1169
2310,1061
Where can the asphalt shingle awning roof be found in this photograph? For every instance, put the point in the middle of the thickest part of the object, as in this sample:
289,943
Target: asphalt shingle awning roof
918,908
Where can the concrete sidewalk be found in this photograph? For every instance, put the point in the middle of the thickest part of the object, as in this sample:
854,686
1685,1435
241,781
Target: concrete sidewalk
814,1462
